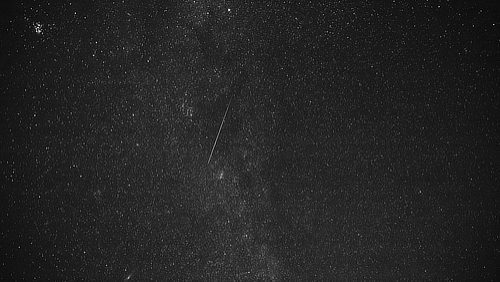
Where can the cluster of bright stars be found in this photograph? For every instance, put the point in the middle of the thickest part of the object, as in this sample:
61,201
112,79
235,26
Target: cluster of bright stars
38,28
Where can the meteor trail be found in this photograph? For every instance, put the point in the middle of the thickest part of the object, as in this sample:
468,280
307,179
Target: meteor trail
220,128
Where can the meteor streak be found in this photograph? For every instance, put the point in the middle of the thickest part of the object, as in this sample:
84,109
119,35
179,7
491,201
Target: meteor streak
220,128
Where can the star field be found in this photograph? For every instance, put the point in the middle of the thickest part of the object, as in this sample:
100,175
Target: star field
360,141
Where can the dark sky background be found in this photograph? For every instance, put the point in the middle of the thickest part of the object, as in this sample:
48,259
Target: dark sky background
361,141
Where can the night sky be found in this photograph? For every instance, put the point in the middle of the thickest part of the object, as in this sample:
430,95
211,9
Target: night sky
352,141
